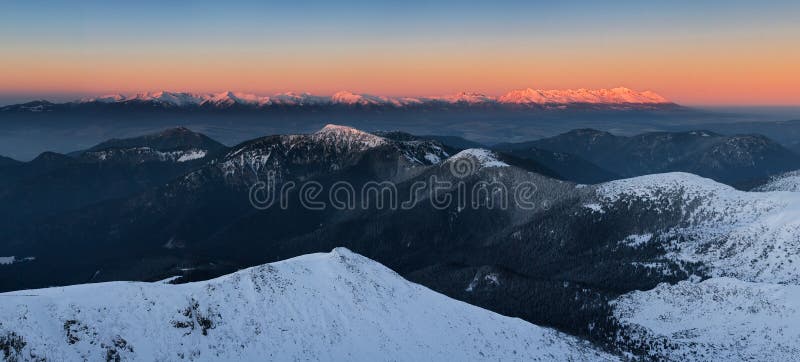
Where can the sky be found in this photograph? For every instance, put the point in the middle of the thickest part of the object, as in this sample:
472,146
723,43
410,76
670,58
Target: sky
692,52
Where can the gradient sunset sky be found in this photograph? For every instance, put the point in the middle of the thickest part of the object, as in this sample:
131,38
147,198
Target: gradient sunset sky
692,52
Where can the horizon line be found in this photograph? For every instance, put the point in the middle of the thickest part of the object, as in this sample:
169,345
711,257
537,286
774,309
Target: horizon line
61,98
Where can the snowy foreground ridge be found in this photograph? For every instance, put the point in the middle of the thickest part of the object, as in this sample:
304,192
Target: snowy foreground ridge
749,242
334,306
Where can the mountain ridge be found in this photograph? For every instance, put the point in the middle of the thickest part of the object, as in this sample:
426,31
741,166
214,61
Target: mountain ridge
732,159
227,99
337,305
178,144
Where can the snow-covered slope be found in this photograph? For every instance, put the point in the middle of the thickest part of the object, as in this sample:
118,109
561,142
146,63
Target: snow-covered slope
476,158
347,137
789,181
334,307
719,319
753,236
748,242
144,154
333,147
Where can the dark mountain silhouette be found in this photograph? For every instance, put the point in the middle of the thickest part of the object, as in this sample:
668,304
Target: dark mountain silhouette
6,161
179,138
53,182
729,159
566,165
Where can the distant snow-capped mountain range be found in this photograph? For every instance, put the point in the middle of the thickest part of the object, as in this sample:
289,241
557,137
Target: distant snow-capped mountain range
521,96
614,96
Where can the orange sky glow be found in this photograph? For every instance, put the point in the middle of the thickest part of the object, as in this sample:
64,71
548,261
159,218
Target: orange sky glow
687,61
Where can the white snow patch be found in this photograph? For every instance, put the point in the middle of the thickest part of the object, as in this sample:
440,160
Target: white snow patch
483,157
433,159
169,280
145,154
635,241
753,236
8,260
192,155
594,207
